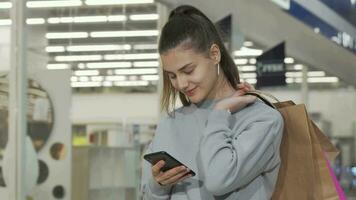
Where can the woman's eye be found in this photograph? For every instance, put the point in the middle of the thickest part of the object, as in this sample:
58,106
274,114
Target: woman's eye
189,72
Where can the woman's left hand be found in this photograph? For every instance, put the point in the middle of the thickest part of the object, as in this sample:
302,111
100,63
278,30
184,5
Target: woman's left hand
238,100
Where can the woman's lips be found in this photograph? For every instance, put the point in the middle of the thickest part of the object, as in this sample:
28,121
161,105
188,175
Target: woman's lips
190,92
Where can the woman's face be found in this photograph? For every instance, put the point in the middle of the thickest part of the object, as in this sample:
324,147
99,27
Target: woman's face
194,74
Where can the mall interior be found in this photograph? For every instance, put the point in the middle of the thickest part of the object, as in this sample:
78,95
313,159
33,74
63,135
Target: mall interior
81,82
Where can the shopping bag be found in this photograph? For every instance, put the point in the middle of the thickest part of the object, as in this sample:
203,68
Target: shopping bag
303,173
337,185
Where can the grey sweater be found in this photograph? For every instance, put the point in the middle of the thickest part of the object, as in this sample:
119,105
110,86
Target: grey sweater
235,156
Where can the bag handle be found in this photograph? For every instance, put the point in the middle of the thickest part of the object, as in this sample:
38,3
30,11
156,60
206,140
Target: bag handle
261,95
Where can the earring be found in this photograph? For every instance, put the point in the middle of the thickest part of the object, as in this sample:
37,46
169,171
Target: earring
218,69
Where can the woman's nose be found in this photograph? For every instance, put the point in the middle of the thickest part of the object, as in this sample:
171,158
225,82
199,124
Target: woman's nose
182,83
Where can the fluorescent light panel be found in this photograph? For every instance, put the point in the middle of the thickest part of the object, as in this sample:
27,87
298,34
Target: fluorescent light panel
145,46
246,68
141,56
53,49
144,17
66,35
5,5
78,58
86,84
57,66
5,22
49,4
34,21
248,44
146,64
150,77
116,2
98,47
87,19
242,61
131,83
108,65
135,71
137,33
244,51
115,78
289,60
86,72
97,78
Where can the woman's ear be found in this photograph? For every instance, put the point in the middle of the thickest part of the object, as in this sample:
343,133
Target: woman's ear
215,53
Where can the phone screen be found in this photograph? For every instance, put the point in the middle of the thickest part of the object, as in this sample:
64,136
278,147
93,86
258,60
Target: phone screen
170,161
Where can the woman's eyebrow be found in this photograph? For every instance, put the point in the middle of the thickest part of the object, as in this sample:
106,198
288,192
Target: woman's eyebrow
180,69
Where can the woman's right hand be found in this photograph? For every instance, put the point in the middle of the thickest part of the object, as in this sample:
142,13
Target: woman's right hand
170,177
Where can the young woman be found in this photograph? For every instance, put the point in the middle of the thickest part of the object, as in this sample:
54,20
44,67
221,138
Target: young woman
229,139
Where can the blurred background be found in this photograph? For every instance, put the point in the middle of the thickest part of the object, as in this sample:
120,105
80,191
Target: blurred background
80,83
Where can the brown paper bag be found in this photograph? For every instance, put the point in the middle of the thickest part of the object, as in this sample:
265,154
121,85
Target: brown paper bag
303,173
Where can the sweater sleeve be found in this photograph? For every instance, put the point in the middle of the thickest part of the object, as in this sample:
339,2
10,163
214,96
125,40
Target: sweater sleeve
232,160
150,189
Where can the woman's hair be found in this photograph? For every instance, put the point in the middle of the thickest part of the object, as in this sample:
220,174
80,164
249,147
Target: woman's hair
189,26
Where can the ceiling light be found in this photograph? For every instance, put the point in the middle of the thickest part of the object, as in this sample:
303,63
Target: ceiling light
117,18
289,60
66,35
78,58
84,79
131,83
141,56
144,17
33,21
86,72
252,61
244,51
53,3
245,68
86,84
146,64
88,19
58,66
241,61
145,46
133,78
81,66
298,67
98,47
107,84
52,49
5,5
248,44
294,74
109,65
248,75
99,34
150,77
135,71
5,22
316,73
73,78
97,78
115,78
251,80
323,80
116,2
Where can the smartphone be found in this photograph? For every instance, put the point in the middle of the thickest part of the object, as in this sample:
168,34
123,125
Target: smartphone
170,161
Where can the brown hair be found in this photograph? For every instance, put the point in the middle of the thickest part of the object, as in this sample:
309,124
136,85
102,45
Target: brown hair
188,24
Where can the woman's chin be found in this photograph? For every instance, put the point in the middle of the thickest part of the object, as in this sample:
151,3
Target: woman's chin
195,99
